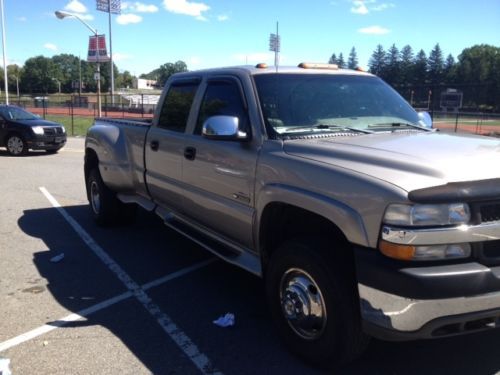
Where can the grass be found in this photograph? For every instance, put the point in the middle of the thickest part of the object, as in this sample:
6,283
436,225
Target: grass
75,127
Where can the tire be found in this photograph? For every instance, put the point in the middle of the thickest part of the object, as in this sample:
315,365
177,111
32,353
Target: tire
105,207
16,145
304,273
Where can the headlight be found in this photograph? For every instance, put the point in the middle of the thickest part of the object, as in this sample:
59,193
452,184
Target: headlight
63,129
427,214
429,252
37,130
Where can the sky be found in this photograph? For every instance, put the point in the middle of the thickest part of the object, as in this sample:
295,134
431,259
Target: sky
213,33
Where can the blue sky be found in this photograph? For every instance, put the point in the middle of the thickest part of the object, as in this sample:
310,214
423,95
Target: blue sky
211,33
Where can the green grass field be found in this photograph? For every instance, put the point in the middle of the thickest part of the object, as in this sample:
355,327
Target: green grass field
78,126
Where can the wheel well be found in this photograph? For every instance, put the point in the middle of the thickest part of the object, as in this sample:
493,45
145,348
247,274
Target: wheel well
12,132
281,222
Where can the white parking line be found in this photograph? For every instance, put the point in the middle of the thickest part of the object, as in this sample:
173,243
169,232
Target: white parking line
199,359
82,314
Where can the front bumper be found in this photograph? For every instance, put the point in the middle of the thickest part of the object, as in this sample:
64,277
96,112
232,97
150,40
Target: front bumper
402,302
43,142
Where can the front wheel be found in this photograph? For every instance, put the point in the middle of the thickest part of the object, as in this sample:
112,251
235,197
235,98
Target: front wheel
105,207
16,145
314,303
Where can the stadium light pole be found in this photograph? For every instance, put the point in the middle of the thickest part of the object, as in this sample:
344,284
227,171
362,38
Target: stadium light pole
4,56
61,15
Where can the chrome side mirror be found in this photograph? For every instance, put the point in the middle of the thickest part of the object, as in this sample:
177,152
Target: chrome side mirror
425,119
223,128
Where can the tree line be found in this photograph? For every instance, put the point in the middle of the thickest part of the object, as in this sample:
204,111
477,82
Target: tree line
476,71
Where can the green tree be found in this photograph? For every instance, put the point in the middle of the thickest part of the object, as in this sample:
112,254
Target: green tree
406,64
392,71
450,69
38,75
352,61
341,61
420,68
436,65
377,62
125,80
13,75
333,59
162,73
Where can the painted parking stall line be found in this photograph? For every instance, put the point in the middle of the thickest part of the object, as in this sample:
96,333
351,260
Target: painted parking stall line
82,314
199,359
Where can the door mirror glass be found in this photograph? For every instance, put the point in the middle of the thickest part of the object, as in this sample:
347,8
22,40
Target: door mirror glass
223,128
425,119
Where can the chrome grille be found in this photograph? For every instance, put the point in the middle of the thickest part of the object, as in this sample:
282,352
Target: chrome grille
53,130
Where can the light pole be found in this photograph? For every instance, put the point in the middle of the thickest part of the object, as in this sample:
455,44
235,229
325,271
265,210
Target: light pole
4,56
61,15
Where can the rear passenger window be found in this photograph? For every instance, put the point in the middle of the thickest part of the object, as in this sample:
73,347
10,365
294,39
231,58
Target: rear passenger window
222,98
175,111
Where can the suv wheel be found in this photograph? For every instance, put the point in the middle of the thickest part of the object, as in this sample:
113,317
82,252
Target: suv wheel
16,146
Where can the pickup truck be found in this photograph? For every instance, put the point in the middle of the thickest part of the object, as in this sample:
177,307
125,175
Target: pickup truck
363,220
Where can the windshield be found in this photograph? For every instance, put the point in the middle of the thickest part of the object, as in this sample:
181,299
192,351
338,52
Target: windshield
293,103
13,113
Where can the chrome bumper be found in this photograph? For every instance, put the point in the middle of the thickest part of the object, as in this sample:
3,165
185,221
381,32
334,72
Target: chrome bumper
395,313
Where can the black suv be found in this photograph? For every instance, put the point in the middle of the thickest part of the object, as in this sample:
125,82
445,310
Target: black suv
21,130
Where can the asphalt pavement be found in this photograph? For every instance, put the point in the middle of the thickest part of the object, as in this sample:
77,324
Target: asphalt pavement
141,299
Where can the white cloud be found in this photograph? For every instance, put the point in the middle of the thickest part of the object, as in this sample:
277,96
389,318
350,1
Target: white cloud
222,17
86,17
50,46
75,6
375,30
125,19
139,7
22,19
383,6
359,7
185,7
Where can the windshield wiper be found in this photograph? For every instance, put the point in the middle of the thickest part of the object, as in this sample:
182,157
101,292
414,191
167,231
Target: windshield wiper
330,127
397,124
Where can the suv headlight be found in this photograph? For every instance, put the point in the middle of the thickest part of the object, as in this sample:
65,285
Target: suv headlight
37,130
417,217
427,214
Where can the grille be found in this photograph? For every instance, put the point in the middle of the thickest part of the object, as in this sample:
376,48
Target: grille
490,212
52,130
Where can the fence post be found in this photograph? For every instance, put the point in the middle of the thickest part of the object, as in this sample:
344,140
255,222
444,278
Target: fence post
142,105
456,122
72,118
105,105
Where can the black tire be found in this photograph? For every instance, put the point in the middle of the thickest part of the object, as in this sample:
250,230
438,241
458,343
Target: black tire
16,145
105,207
306,270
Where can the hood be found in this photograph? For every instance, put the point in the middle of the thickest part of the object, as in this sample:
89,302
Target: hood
37,122
410,160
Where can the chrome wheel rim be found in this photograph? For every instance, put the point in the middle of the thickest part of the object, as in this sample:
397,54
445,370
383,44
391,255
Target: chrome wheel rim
95,198
303,304
15,145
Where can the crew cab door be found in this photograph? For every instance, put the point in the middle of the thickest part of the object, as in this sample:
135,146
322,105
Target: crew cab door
219,175
164,146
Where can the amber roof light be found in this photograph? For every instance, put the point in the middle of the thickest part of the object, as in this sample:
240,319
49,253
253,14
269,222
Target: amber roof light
306,65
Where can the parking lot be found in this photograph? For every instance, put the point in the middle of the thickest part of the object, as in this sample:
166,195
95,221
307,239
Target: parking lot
141,299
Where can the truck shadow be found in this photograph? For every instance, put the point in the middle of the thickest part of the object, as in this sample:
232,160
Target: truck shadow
147,250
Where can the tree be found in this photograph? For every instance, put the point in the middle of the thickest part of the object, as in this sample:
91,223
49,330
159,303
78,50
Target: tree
406,64
341,61
436,65
162,73
352,61
449,69
333,59
392,71
38,75
420,68
125,79
376,63
13,76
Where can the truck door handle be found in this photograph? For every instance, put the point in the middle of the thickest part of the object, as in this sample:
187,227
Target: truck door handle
190,153
154,145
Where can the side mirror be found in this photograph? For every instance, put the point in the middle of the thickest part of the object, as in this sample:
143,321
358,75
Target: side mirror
223,128
425,119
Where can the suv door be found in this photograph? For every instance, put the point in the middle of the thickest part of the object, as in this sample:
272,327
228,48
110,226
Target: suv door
219,175
165,145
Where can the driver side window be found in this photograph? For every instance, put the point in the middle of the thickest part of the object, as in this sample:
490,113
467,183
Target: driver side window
222,98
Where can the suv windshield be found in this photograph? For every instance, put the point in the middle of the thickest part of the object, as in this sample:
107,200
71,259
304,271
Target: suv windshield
13,113
293,103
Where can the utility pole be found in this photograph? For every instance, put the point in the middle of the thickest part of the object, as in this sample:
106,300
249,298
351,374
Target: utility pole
4,56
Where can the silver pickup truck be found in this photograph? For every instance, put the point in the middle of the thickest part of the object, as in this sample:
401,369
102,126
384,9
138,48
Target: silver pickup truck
362,219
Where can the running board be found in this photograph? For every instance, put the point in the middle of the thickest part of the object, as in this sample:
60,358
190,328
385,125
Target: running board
222,249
